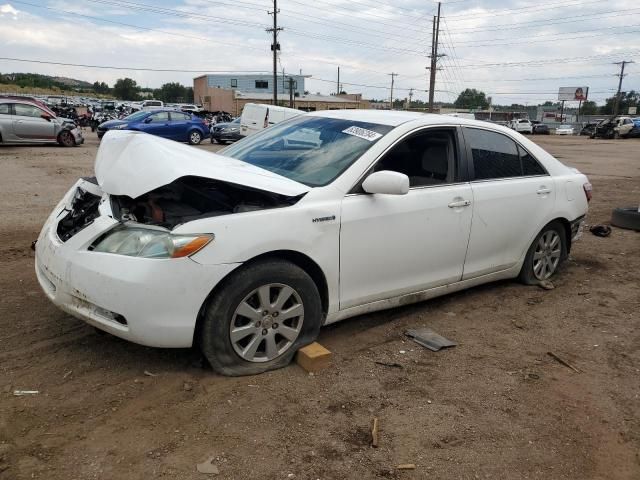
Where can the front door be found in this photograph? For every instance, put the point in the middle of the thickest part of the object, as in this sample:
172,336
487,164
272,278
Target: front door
157,124
28,124
392,245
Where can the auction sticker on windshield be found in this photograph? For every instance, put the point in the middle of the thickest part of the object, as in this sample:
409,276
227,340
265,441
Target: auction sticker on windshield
362,133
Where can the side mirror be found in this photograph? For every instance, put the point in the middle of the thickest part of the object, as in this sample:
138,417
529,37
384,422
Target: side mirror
46,116
148,120
387,182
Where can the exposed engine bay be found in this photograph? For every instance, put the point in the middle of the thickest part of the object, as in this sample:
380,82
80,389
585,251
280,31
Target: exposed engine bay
84,210
191,198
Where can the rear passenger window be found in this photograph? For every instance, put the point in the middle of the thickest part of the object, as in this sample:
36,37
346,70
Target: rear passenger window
4,109
427,158
530,165
494,155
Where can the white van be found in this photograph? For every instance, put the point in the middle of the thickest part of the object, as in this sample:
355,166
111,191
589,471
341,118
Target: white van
256,117
152,105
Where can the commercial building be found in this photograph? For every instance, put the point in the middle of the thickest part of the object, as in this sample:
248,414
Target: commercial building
230,93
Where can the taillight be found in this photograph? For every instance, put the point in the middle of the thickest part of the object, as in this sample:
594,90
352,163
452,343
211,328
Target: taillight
588,191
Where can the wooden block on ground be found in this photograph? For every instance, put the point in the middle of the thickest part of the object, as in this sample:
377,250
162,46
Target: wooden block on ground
313,357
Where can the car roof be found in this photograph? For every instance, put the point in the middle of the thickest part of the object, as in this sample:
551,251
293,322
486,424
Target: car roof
395,118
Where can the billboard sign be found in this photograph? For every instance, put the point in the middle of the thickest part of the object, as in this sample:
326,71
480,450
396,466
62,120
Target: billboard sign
573,94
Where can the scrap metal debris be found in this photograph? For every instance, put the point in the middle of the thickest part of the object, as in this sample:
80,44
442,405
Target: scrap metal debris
149,374
563,362
429,339
22,393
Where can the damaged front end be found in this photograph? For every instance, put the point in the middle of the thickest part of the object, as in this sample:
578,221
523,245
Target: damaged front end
192,198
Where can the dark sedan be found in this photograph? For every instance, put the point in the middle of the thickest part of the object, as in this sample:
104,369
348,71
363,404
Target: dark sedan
541,129
226,132
171,124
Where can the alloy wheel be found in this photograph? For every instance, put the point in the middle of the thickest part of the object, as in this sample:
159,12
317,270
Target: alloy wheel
266,323
195,137
547,255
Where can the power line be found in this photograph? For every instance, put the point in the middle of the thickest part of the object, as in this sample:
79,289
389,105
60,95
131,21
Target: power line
543,22
509,11
111,67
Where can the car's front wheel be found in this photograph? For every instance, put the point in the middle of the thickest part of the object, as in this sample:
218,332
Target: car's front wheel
195,137
259,318
546,253
66,139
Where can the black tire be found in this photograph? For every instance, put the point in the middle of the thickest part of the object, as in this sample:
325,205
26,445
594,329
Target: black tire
626,217
195,137
528,274
215,332
65,138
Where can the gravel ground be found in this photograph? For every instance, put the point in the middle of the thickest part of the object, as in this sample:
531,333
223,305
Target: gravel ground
495,406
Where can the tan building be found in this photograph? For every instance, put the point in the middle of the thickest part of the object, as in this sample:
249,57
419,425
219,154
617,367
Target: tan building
232,101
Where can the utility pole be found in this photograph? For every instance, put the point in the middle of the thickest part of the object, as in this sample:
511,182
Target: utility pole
291,92
275,46
338,85
408,107
434,57
621,75
393,76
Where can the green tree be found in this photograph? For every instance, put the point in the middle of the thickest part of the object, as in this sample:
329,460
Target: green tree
471,98
173,92
126,89
100,87
629,99
589,108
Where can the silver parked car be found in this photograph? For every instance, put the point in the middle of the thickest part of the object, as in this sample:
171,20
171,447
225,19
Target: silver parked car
30,121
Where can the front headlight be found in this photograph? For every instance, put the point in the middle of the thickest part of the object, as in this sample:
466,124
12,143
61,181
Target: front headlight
120,127
147,243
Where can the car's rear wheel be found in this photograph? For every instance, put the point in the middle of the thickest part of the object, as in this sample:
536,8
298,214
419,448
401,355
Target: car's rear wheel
66,139
546,253
259,318
195,137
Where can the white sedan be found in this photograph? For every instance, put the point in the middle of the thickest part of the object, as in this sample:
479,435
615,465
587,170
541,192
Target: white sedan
317,219
564,130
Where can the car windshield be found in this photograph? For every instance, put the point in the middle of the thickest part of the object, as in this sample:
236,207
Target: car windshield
307,149
565,126
134,117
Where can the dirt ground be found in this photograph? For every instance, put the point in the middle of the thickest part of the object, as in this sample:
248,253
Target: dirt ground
496,406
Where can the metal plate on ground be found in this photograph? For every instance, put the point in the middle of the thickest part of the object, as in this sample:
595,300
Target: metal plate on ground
429,339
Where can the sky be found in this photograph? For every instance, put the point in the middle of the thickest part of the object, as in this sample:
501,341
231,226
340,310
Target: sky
515,51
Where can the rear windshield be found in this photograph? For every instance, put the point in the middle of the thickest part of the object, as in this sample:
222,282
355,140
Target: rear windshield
309,150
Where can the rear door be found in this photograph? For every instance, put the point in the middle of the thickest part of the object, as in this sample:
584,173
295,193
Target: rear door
179,125
513,196
28,123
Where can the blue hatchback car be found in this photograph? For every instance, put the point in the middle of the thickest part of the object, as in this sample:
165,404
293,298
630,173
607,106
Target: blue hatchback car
171,124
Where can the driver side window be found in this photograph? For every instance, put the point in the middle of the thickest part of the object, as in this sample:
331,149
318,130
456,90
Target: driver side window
427,158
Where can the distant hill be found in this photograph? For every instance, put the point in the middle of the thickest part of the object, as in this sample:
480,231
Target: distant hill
36,80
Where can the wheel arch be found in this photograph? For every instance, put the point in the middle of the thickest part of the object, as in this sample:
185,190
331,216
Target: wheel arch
303,261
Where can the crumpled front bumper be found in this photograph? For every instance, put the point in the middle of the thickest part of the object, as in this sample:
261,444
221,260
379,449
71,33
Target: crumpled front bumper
153,302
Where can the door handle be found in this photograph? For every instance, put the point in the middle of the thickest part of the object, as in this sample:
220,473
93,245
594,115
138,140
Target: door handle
461,203
543,191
